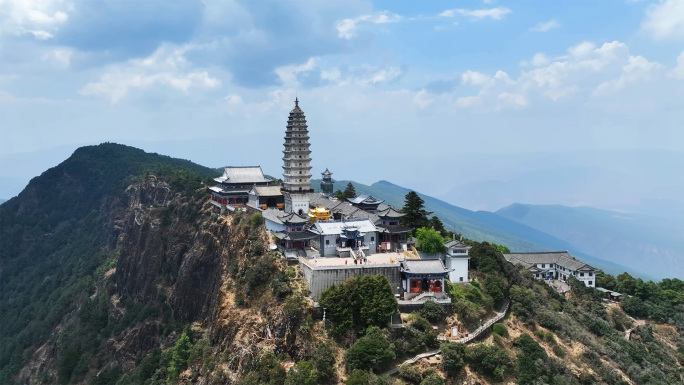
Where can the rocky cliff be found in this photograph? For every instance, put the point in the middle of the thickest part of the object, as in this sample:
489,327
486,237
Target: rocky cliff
118,277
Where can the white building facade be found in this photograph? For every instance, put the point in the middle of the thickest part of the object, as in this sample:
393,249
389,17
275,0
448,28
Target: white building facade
559,265
457,260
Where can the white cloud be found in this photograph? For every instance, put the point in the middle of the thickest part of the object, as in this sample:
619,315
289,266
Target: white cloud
588,70
582,49
385,75
61,56
678,71
468,101
494,13
512,100
348,28
233,99
637,69
539,59
166,67
288,74
546,26
665,20
422,99
474,78
39,18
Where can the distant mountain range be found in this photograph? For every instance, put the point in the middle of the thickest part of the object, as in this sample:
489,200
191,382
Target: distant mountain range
648,244
491,227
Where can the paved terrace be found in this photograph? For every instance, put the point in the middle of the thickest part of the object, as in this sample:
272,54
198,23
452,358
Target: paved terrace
383,259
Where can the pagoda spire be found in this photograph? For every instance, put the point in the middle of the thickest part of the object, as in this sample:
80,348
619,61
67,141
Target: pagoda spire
296,162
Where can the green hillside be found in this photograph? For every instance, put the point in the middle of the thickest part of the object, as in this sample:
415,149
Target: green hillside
55,234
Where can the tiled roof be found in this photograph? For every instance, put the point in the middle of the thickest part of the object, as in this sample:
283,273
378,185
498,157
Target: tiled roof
347,210
316,200
423,266
280,217
562,258
366,199
268,191
393,229
293,218
294,235
243,175
389,212
338,227
456,243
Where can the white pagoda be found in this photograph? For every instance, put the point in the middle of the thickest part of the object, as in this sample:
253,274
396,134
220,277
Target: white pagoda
297,163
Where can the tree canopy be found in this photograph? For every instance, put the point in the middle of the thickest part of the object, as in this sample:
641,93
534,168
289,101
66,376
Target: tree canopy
349,191
430,241
358,303
414,209
370,352
437,225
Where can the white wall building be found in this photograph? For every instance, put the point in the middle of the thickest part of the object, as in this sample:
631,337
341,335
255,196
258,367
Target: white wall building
336,238
558,265
457,260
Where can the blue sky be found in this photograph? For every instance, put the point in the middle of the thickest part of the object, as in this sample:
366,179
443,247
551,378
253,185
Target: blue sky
407,91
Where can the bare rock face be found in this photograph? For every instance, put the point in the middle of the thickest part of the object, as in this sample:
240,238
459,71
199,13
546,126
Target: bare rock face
166,252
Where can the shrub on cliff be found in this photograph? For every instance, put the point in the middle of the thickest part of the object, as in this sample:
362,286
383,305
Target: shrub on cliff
370,352
500,329
358,303
433,312
179,356
323,361
453,358
489,360
432,379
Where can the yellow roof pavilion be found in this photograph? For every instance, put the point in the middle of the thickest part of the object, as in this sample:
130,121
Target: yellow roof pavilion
320,213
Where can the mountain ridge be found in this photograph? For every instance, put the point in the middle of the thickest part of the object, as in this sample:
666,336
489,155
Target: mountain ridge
637,239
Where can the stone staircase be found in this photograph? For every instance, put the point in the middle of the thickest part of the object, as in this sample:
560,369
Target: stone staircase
427,294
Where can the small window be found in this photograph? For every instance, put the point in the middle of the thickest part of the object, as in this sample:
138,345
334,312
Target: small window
372,239
591,282
581,274
591,274
543,265
460,279
327,241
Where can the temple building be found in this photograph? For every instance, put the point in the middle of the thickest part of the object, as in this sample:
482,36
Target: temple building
297,163
289,229
393,237
366,202
354,238
457,260
558,265
265,197
233,187
423,277
327,184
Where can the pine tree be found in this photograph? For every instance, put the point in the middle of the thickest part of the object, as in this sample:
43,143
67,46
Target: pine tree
437,224
349,191
414,208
